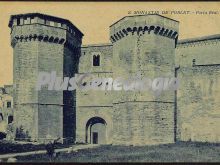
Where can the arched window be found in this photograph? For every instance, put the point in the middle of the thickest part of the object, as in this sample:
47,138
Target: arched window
96,60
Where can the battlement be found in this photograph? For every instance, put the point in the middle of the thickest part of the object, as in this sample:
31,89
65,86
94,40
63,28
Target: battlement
41,27
33,18
140,24
205,40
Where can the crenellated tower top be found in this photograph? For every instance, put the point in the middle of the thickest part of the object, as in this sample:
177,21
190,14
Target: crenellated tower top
144,24
46,28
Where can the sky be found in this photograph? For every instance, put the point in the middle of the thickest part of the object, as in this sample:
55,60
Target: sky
94,19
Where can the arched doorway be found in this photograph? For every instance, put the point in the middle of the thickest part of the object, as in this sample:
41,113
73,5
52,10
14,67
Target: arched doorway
96,131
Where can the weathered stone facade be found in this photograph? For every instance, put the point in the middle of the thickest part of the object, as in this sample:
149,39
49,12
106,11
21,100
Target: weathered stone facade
198,96
147,45
91,104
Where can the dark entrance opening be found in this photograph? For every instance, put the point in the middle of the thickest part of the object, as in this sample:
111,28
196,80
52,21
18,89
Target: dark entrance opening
95,137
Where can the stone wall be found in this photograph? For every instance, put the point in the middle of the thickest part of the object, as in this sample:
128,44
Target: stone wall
198,96
204,50
86,59
24,78
141,123
50,122
94,103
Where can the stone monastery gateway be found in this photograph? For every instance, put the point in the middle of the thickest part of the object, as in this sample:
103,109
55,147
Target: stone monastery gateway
147,44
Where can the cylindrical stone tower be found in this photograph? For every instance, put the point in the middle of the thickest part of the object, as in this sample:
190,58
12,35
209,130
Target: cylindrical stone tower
143,45
43,43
